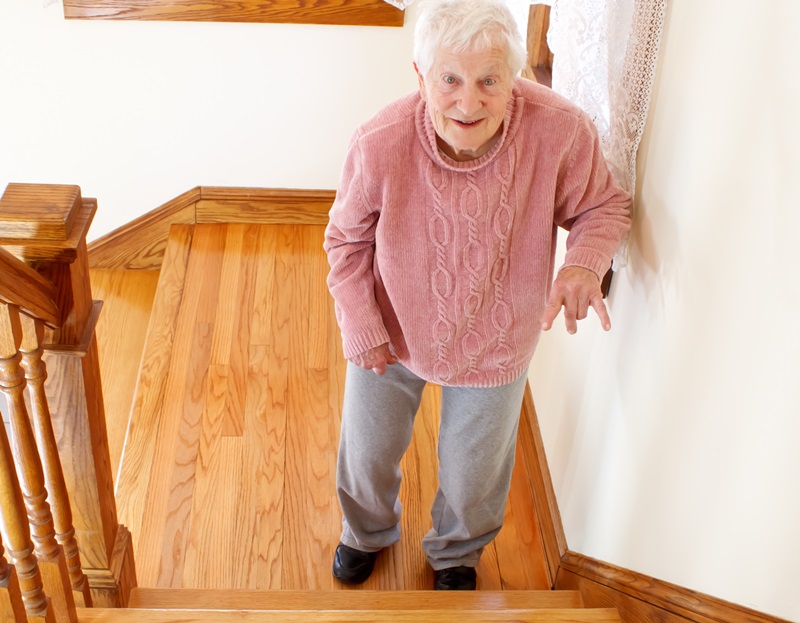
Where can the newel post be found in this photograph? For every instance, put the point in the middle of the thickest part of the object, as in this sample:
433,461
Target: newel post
46,226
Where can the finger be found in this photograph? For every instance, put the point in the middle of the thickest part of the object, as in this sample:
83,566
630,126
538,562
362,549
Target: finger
570,314
550,312
379,368
602,313
583,309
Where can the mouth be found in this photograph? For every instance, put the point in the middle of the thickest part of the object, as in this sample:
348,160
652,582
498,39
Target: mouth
466,124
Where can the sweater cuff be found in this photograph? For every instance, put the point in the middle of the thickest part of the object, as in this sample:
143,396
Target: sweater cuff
361,342
591,259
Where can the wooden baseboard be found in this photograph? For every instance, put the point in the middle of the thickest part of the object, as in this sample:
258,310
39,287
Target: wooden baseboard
642,598
140,244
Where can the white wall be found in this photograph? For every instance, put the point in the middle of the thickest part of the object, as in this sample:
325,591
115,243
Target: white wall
138,112
673,440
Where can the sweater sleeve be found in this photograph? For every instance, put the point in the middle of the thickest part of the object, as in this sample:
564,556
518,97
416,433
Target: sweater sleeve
350,245
590,204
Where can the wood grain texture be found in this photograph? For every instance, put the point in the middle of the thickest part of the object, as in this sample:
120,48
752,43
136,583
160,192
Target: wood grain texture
39,211
12,608
554,540
264,205
140,244
349,616
643,598
343,12
233,483
57,495
76,405
30,472
13,517
22,286
127,297
51,250
354,600
148,403
73,296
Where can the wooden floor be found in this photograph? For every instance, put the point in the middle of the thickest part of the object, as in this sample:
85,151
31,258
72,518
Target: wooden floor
229,480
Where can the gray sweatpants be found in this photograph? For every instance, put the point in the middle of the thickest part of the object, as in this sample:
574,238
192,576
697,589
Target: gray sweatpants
477,442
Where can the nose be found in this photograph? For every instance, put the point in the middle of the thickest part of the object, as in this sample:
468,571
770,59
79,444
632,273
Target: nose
470,101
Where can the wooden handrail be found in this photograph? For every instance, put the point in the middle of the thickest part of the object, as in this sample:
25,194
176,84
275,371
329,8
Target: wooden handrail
22,286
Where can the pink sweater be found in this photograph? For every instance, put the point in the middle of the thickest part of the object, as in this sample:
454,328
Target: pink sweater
451,262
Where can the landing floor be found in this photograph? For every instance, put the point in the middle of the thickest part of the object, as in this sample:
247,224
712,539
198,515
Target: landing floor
231,483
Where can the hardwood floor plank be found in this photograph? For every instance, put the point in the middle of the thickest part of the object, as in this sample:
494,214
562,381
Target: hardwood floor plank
127,297
159,554
240,486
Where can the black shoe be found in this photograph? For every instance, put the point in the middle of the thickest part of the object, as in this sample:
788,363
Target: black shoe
352,566
455,579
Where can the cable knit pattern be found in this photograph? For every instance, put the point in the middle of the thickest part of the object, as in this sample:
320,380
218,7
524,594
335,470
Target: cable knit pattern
440,233
502,223
451,262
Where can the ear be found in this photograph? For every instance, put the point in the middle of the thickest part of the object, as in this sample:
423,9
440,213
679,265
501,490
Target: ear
421,81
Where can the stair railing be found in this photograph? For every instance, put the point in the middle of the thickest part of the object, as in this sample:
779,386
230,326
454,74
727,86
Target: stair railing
56,491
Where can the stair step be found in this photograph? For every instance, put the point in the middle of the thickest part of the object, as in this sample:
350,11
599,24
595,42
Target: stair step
155,598
132,615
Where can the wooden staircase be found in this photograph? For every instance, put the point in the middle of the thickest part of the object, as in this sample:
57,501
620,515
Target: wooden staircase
260,291
228,475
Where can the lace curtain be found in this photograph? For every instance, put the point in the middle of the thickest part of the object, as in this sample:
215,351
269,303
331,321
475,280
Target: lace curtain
605,54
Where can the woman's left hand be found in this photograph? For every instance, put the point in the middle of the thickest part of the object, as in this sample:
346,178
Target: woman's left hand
575,289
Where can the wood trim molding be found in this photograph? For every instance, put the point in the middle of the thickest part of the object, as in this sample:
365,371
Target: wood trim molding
659,596
544,497
140,244
263,205
338,12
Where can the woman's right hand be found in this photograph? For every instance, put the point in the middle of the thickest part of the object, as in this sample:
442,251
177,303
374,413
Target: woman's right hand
375,359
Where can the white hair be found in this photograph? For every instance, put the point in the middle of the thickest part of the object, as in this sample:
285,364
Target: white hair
467,25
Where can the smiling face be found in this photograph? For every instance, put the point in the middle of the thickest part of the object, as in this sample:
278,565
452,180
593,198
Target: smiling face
467,94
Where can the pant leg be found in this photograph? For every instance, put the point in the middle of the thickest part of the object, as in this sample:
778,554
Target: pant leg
377,422
477,443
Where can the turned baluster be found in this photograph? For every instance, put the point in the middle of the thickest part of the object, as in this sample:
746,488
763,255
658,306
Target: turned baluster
17,537
31,477
11,606
36,374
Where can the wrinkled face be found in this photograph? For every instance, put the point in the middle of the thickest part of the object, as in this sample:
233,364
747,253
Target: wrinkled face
467,94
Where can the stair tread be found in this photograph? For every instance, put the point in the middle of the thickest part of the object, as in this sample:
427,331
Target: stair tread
138,615
351,599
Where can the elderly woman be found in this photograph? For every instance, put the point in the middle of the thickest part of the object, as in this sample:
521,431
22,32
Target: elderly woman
441,244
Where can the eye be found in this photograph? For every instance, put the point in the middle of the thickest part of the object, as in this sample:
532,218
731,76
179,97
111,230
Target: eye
489,82
450,79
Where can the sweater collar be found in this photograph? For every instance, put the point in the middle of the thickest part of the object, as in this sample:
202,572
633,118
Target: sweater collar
427,136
